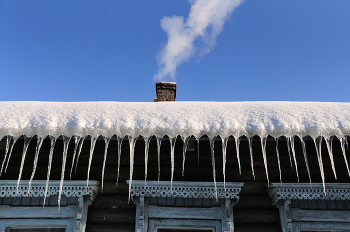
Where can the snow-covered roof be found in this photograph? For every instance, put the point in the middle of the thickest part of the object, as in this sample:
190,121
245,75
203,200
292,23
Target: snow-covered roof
174,118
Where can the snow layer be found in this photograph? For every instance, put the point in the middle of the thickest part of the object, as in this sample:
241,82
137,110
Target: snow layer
174,118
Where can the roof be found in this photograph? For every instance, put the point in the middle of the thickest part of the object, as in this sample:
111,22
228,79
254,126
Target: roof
175,118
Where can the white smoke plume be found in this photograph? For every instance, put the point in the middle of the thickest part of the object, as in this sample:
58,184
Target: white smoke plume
204,23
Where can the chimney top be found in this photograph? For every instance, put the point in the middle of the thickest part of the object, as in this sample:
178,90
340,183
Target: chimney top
166,91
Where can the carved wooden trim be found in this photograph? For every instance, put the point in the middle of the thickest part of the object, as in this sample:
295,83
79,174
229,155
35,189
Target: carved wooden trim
8,188
304,191
185,189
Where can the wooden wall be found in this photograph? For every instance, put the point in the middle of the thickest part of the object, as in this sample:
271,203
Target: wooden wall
111,210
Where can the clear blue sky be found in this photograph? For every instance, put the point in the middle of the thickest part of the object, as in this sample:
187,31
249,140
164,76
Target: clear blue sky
270,50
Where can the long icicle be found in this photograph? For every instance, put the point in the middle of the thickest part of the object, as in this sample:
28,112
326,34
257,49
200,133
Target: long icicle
224,150
79,151
237,141
147,142
212,141
26,142
250,141
342,144
290,157
197,139
172,160
76,143
10,153
291,139
159,143
120,142
346,142
66,141
320,163
263,149
92,148
107,140
184,149
330,153
53,141
8,141
278,159
303,146
132,143
39,143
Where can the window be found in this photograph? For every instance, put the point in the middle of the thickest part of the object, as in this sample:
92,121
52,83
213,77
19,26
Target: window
306,209
24,212
184,207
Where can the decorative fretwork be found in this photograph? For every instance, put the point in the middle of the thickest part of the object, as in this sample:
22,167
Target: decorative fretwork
185,189
304,191
37,189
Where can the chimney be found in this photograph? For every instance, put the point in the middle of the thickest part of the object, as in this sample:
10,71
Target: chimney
166,91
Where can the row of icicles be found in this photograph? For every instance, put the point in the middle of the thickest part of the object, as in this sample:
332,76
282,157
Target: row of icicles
78,141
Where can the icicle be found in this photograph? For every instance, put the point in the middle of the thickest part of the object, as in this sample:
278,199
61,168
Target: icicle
172,151
290,157
159,142
320,163
278,159
107,140
8,141
26,142
39,143
250,141
10,153
212,141
53,141
184,149
224,149
197,150
147,142
66,141
263,149
237,141
342,144
79,151
305,158
132,143
330,153
346,141
120,142
92,148
76,143
291,139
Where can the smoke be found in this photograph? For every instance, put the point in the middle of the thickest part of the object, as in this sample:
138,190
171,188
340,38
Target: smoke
204,23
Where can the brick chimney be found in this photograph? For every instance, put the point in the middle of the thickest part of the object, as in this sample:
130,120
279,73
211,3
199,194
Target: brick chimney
166,91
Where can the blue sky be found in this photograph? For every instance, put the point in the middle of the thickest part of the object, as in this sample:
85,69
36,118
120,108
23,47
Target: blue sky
271,50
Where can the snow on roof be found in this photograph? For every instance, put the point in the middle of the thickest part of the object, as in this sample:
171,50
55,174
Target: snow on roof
174,118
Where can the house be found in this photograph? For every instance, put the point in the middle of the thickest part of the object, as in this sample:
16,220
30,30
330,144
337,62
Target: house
174,166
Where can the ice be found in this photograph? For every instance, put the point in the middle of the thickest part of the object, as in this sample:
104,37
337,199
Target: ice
132,143
330,153
342,144
319,158
159,143
79,151
93,140
76,143
172,151
10,153
184,149
197,139
305,158
290,157
237,141
39,143
147,142
107,140
66,141
278,159
26,142
250,141
120,142
224,149
263,149
212,142
53,141
8,141
291,140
